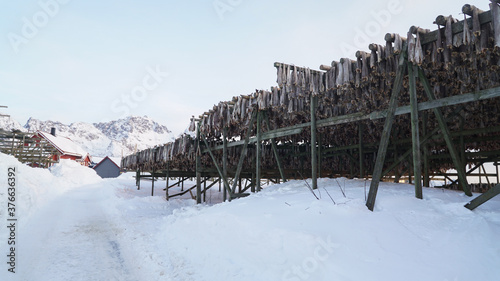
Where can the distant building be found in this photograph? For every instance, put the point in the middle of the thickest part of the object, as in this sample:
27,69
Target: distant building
66,148
107,168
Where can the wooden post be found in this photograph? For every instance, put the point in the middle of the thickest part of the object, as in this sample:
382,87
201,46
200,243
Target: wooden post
138,179
153,182
275,150
226,184
166,179
252,183
498,175
386,132
198,165
205,189
13,142
258,155
459,166
314,163
320,152
360,149
417,166
243,151
425,150
224,159
486,175
480,182
483,197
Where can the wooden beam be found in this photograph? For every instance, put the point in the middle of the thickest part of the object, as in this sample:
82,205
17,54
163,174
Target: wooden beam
243,152
386,132
224,159
166,180
314,163
258,154
462,178
152,183
275,150
478,201
417,165
425,150
226,184
198,164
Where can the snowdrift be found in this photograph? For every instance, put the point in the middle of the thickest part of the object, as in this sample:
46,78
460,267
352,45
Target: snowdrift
36,187
108,230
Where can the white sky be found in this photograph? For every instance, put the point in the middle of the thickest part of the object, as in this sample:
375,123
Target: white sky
76,60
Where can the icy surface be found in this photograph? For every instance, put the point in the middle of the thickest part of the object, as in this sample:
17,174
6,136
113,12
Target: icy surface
75,226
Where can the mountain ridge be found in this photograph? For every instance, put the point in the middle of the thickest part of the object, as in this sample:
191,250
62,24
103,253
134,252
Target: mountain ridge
115,138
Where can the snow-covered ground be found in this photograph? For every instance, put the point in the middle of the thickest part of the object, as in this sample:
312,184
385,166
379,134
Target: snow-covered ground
75,226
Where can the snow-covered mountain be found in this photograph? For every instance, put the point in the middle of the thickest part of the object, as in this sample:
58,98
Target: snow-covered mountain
10,124
103,139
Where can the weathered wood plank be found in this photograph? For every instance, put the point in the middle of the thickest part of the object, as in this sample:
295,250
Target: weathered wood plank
384,142
243,153
417,164
258,154
314,163
198,165
478,201
275,151
462,178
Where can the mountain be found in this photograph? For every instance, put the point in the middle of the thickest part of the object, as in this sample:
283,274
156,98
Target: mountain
10,124
108,138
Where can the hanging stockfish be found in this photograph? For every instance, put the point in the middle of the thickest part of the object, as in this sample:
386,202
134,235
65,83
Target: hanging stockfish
373,59
411,47
244,105
359,66
495,18
467,36
295,76
364,70
340,76
192,125
283,99
288,75
419,53
398,44
321,82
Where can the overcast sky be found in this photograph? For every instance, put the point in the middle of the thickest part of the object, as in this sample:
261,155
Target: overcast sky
93,61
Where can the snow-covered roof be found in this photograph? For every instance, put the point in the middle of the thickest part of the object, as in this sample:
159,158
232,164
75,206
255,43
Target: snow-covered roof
64,145
109,158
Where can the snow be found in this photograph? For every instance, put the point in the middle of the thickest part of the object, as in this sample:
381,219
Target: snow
73,225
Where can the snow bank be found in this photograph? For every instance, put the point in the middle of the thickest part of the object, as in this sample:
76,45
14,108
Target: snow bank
284,233
94,229
74,174
36,187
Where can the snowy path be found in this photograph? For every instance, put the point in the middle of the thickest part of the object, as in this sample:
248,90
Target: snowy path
74,238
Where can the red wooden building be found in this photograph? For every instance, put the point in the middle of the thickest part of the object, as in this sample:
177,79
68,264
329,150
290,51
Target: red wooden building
66,148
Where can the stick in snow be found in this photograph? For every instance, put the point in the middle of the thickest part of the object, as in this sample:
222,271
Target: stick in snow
310,188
